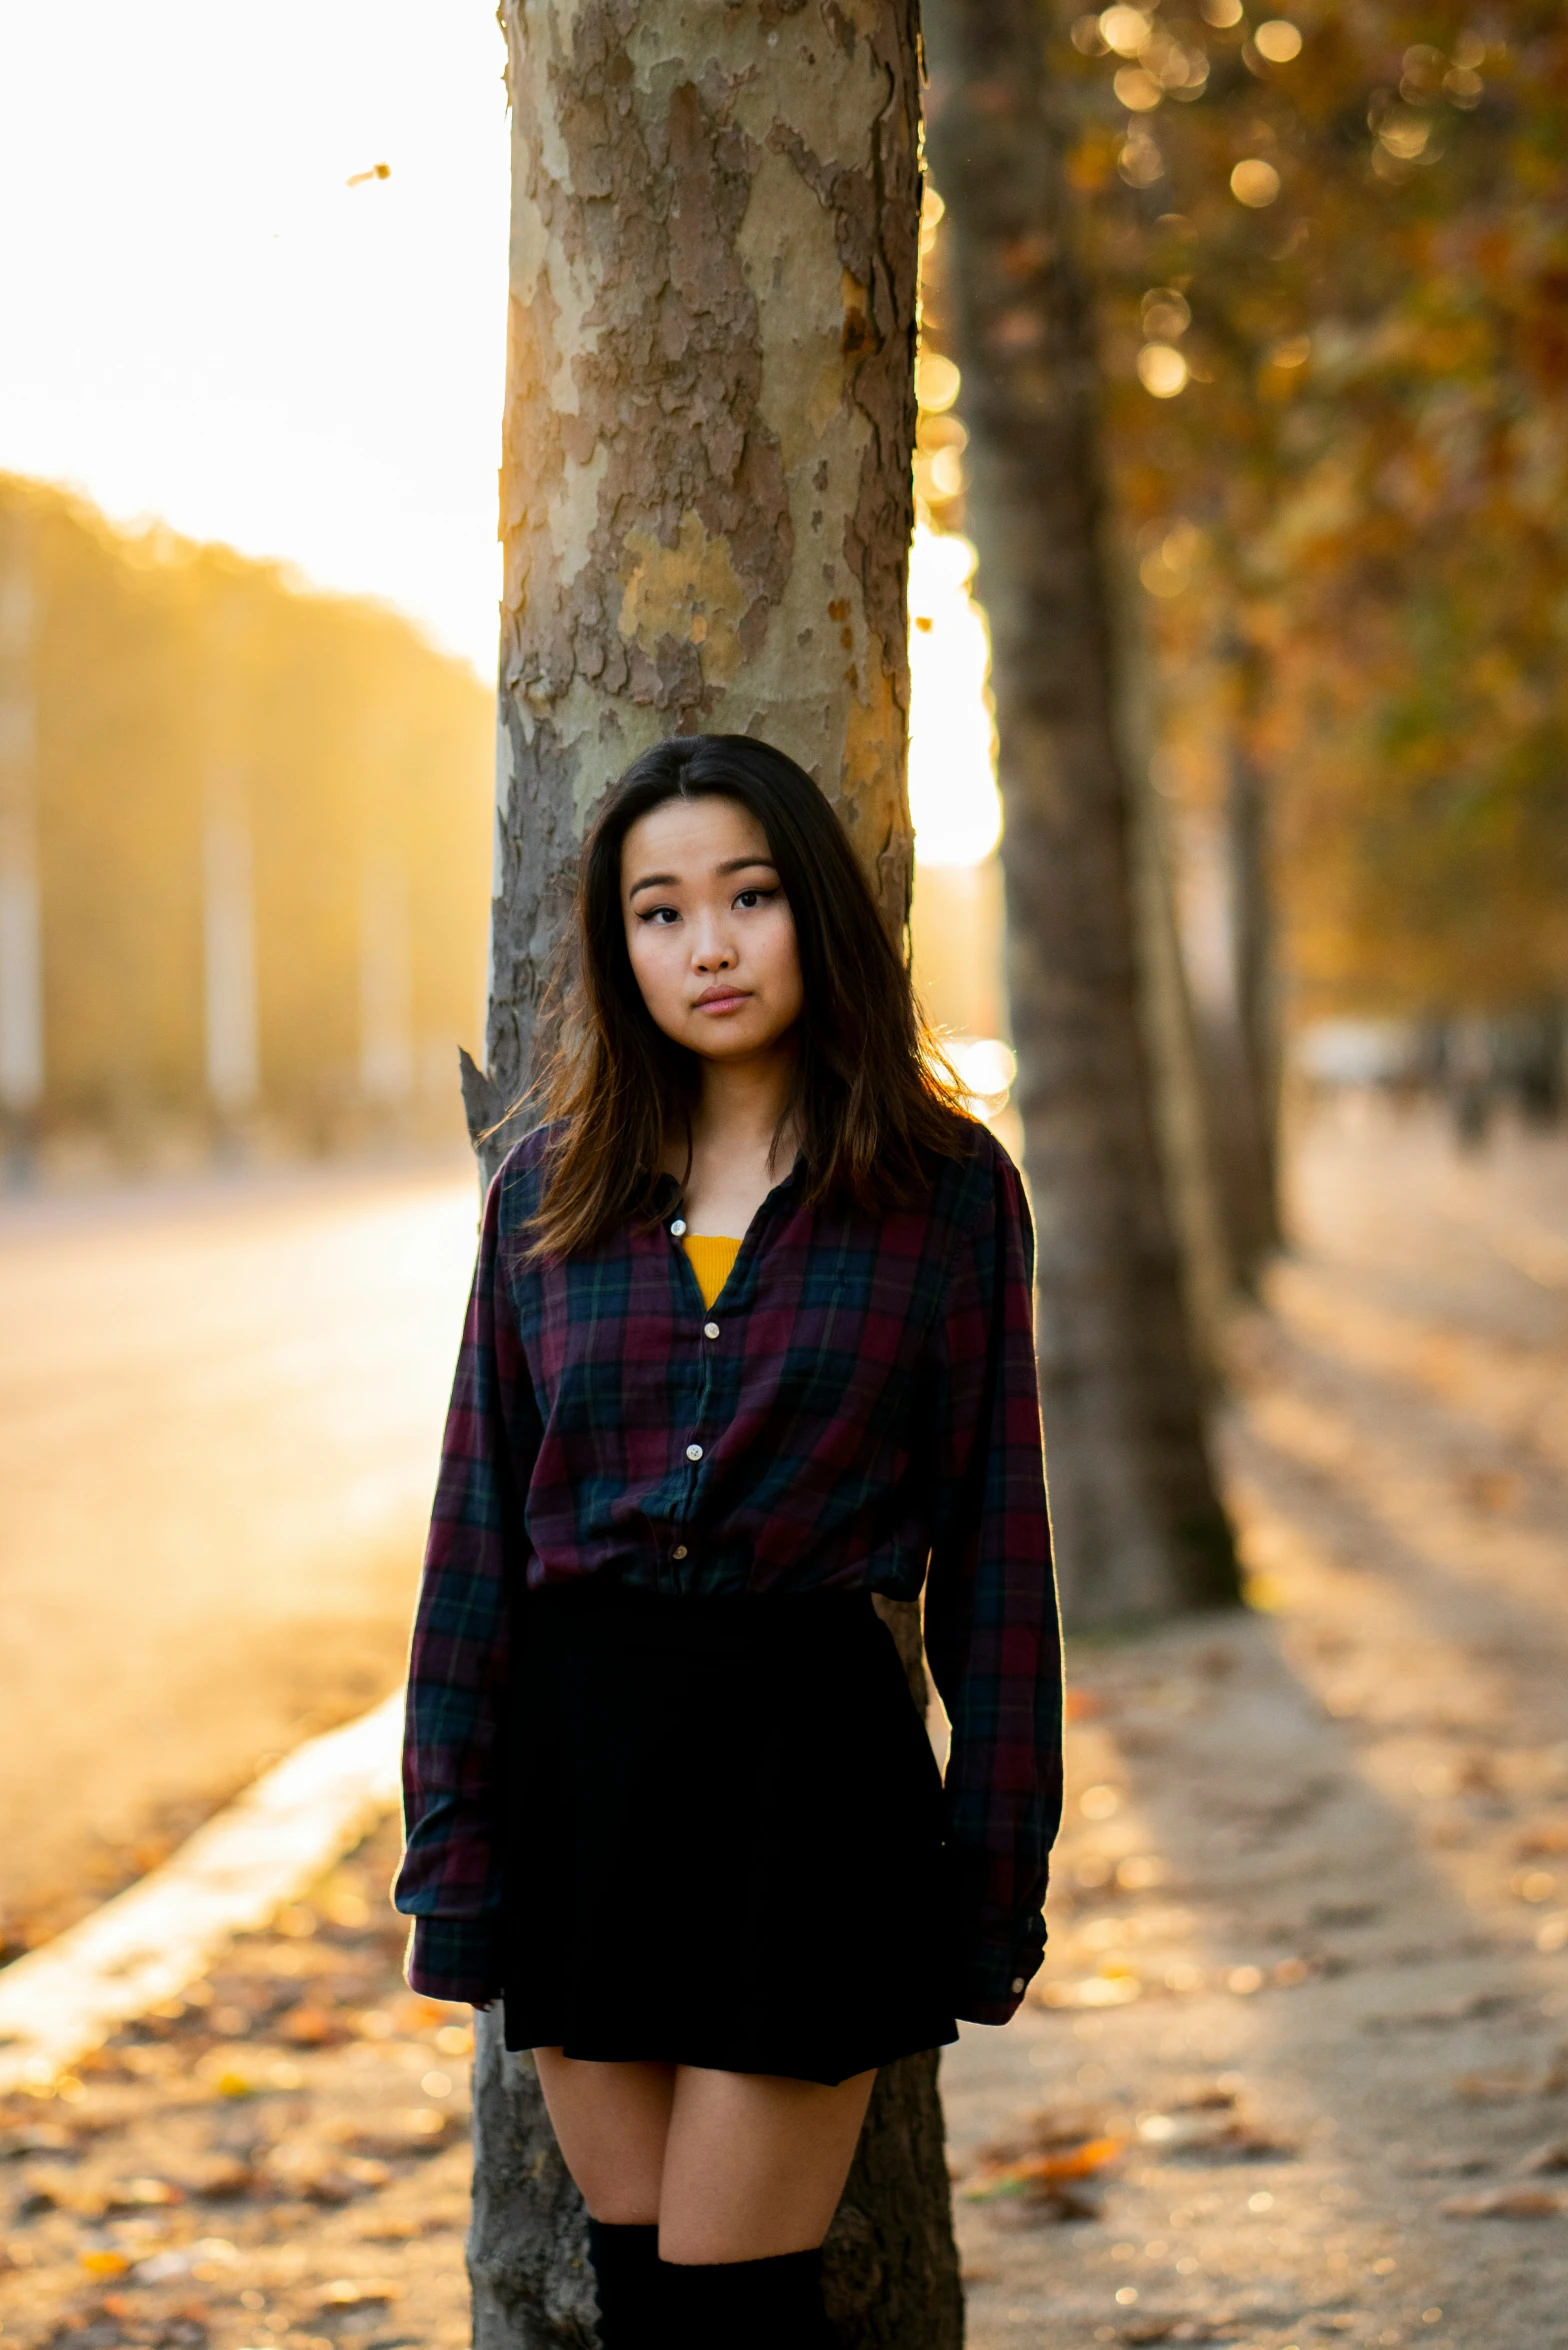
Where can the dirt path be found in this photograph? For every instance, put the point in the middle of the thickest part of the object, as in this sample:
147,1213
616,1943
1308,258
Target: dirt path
1308,1977
1297,2068
280,2157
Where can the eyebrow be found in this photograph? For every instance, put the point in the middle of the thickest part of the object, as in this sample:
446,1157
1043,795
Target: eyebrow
672,880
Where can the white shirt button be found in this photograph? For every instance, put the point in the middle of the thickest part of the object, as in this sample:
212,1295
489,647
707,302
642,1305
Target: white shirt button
1018,1981
679,1552
694,1452
679,1226
710,1330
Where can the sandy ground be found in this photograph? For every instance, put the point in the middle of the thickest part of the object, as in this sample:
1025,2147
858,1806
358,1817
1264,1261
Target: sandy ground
1297,2068
220,1412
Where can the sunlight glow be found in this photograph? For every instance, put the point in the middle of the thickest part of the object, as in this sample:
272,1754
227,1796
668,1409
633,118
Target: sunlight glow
218,312
986,1067
952,737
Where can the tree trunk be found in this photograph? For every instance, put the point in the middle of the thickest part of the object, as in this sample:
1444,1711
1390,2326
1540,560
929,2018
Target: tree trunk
1252,1094
1183,1111
1139,1525
1230,958
706,506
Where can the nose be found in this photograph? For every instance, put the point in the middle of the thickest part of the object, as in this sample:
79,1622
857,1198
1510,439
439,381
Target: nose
711,949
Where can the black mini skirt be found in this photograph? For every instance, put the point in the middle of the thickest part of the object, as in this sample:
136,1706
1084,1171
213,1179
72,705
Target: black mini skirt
722,1837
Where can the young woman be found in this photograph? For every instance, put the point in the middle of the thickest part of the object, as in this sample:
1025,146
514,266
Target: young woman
750,1340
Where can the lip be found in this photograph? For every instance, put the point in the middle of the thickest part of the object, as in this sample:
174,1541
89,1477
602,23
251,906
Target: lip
722,999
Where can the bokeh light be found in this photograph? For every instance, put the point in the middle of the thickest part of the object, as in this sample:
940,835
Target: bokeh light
206,321
1278,40
1254,182
1162,370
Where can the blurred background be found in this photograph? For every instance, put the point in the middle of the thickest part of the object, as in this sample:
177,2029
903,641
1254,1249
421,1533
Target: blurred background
254,299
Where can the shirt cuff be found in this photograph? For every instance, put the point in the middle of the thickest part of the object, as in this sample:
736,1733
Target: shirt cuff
454,1958
992,1982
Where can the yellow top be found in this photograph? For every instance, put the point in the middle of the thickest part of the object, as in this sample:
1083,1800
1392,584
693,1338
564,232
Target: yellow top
711,1256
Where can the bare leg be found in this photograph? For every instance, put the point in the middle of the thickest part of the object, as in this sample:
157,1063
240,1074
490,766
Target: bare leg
610,2122
731,2166
754,2165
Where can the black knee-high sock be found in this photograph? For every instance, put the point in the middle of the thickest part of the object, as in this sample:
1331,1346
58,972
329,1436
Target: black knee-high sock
748,2304
629,2274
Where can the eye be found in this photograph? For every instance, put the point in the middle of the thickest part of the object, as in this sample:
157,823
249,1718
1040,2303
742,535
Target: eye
658,914
754,897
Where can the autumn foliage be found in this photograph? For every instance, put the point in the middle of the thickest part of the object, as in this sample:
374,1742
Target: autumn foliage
1330,253
167,689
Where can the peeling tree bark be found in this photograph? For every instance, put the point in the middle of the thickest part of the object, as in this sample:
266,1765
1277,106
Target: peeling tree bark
709,412
1140,1530
706,509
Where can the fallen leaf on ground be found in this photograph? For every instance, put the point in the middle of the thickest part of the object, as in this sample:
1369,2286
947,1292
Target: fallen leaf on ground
1451,2011
220,2180
354,2292
228,2081
104,2263
1219,2328
1505,2203
45,2138
1491,2087
1550,1837
142,2194
341,2182
1042,2172
423,2130
312,2027
329,2186
1046,2130
1211,2138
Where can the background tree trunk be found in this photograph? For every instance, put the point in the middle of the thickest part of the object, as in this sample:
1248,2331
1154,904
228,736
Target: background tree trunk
1182,1104
1230,957
1182,1107
1139,1524
706,508
1248,1077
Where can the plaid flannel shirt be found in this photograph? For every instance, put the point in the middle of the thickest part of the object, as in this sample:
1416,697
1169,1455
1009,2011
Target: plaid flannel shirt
858,1409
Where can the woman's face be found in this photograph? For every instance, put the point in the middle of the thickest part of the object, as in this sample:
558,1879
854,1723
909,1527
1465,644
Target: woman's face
708,928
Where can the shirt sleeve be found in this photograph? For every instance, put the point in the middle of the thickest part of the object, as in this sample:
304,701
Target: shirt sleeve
992,1629
449,1882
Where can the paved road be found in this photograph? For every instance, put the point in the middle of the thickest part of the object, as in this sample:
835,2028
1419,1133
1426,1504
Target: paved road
220,1406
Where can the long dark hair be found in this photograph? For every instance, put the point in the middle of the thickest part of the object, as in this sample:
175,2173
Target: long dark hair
871,1091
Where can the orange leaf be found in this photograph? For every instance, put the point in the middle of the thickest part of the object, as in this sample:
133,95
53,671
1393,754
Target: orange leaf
1044,2170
